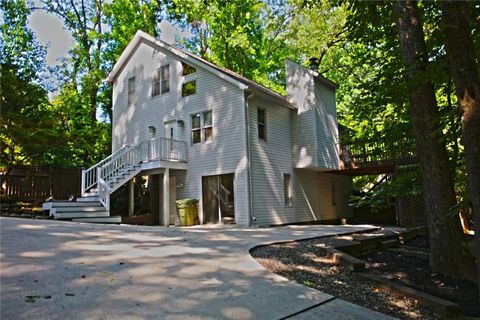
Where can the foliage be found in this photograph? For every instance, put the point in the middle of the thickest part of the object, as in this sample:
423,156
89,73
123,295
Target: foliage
233,35
382,192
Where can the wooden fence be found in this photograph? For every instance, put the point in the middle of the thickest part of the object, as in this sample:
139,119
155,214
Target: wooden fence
35,184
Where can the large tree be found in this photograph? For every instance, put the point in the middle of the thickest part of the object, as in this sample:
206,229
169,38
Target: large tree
84,19
27,128
438,188
465,74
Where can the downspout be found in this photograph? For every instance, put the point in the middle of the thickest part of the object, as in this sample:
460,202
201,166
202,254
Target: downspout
249,167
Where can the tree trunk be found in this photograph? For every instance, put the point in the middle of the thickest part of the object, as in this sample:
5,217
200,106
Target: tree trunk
437,183
464,71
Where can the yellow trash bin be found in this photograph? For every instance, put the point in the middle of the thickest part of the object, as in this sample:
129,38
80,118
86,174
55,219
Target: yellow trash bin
187,211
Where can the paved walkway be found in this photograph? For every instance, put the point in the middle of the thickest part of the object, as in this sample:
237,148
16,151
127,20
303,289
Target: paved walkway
84,271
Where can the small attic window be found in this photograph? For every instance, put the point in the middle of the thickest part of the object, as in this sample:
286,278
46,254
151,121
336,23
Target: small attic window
187,69
189,88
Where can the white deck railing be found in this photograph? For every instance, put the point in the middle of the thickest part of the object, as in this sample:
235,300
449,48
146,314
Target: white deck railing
103,174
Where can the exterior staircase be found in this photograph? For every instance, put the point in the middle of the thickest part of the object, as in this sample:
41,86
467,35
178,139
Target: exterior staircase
105,177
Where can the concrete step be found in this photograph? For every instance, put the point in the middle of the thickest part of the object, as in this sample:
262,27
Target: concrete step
77,214
114,220
58,204
88,198
95,208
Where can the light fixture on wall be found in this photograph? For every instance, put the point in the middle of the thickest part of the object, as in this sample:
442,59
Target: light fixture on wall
180,185
180,123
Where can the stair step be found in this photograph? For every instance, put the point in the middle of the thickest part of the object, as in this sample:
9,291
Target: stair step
94,208
58,204
388,244
77,214
114,220
88,198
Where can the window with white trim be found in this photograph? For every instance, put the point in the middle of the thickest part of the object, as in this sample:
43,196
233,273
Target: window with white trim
161,80
165,76
131,92
262,124
202,127
187,69
287,189
189,88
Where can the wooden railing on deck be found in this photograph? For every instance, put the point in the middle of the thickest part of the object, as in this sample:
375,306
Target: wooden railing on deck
371,153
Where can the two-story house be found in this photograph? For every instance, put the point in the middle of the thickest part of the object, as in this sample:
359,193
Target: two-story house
248,154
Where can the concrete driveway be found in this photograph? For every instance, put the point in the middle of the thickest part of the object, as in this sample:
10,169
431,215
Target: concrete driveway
65,270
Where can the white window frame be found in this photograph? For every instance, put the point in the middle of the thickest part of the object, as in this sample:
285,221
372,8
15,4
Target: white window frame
131,92
264,124
160,81
165,80
287,190
203,127
156,81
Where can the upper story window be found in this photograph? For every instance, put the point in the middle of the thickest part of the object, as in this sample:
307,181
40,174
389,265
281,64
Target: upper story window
202,127
262,124
189,88
187,69
161,80
131,91
165,74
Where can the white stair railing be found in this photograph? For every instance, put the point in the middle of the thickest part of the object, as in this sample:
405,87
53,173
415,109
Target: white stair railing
110,170
89,176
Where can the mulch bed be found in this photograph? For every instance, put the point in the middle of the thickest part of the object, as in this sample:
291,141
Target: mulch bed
417,274
303,262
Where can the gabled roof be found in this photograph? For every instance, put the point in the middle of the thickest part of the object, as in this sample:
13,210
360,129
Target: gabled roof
228,75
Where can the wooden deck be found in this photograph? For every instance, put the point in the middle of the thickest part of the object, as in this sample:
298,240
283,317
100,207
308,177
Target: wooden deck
373,157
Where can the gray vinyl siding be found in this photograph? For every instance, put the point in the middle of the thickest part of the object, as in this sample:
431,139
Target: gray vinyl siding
270,160
226,153
326,127
300,91
314,125
313,196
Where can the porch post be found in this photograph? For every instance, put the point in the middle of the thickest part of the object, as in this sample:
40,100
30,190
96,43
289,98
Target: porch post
131,198
82,192
166,197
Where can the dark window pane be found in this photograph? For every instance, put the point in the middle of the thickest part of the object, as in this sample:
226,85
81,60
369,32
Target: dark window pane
261,116
207,133
189,88
187,69
155,89
196,138
261,131
196,121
